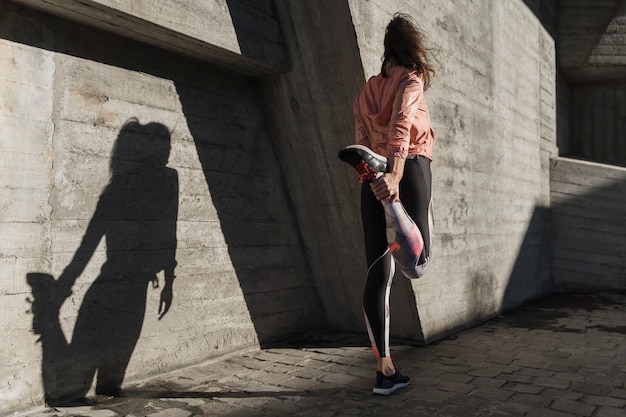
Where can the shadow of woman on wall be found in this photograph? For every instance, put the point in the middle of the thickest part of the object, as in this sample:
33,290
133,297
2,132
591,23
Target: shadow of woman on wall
136,214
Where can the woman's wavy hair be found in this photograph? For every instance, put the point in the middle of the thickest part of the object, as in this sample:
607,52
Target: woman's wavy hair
404,42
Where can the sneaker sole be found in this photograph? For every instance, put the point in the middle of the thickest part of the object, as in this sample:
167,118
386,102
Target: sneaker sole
387,391
350,158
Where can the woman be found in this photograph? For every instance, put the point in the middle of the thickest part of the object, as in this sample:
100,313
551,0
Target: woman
393,152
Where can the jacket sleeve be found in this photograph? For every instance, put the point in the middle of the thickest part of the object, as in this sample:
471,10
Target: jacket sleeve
410,92
360,134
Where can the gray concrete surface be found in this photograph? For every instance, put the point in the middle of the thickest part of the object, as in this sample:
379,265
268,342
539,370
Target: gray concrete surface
267,231
562,356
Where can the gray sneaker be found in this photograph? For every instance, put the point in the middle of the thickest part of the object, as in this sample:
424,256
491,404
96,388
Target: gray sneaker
368,164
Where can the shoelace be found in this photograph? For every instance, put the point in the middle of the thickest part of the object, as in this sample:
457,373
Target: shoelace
365,172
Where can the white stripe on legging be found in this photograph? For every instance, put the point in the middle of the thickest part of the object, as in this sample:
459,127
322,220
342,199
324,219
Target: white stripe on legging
392,271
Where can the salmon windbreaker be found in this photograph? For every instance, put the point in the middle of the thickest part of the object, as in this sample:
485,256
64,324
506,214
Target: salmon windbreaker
391,115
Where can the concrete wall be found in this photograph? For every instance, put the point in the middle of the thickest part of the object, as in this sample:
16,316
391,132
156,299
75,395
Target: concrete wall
589,225
219,206
493,110
268,236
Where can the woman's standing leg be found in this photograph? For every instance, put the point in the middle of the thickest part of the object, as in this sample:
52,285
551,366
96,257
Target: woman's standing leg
380,272
415,194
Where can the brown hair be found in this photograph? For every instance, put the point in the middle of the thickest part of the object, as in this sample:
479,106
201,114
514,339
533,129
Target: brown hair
404,43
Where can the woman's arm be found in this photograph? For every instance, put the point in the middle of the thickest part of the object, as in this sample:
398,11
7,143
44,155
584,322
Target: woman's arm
405,107
360,134
387,187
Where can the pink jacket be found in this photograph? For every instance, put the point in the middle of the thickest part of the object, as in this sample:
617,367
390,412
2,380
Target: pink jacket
391,115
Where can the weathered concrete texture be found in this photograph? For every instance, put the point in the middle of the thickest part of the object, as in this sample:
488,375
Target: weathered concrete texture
195,180
25,176
493,110
241,35
589,225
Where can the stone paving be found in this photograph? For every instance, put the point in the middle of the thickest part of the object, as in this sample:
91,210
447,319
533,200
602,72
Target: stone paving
561,356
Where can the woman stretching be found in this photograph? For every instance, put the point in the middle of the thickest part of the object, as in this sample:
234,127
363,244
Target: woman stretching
393,152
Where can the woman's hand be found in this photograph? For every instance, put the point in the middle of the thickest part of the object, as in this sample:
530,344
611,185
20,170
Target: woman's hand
387,187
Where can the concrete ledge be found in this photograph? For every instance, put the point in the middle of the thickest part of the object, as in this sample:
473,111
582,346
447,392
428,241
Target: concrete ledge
230,33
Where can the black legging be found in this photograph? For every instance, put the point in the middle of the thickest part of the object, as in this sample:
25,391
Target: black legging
415,195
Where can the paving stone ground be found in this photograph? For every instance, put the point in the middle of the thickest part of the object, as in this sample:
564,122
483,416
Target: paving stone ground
564,355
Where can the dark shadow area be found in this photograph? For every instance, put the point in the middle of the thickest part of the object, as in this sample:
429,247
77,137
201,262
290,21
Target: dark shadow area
561,312
599,126
258,32
326,339
251,201
228,402
136,216
530,276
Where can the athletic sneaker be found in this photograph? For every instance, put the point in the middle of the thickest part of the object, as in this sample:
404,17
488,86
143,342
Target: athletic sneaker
385,385
368,164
